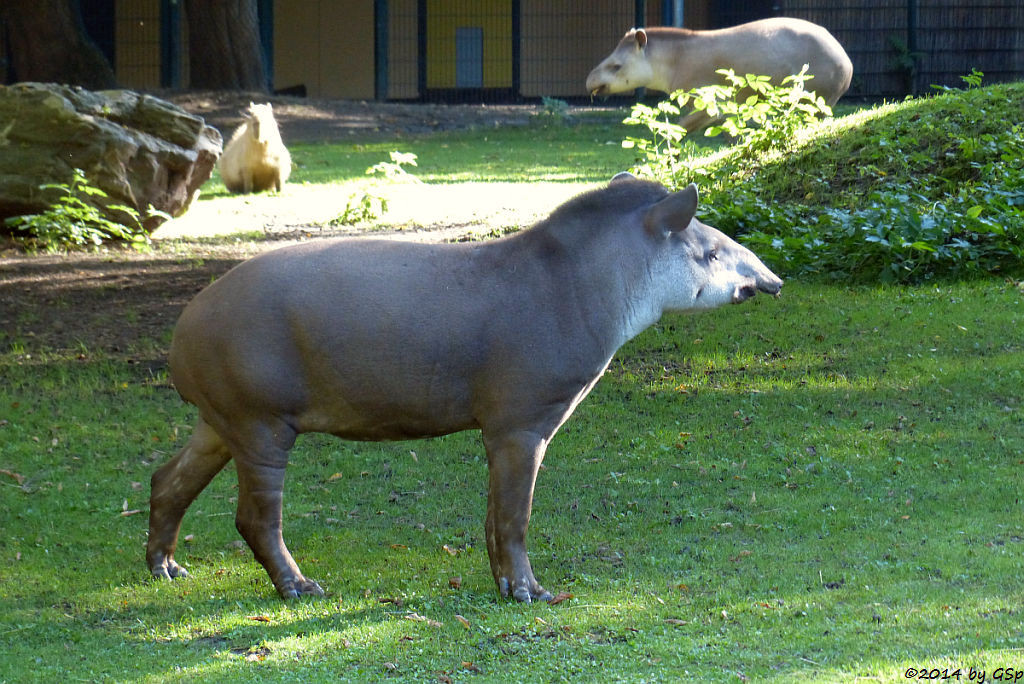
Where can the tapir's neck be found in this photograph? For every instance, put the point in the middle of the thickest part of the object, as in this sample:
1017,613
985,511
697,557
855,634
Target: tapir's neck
681,58
603,283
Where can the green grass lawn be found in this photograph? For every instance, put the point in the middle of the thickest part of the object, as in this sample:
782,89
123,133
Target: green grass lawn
823,487
586,149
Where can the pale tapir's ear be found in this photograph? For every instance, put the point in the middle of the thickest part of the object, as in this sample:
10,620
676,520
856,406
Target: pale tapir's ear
673,213
641,38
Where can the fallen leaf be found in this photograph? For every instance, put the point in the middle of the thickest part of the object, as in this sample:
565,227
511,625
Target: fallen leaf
258,618
741,555
125,514
450,550
464,621
455,582
675,621
419,618
539,620
335,476
15,476
470,666
400,547
560,597
388,599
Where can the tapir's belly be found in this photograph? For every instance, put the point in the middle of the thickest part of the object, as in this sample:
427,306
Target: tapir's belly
352,367
394,401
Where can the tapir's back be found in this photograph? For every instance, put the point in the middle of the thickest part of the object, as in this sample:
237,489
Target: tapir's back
357,329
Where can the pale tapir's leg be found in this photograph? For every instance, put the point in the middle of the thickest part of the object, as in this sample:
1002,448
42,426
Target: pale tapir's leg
513,460
695,121
261,468
173,488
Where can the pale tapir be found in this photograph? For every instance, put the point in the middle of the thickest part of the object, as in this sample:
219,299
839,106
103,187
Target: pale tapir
385,340
671,59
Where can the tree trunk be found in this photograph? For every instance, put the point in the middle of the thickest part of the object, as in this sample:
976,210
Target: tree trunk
47,42
224,47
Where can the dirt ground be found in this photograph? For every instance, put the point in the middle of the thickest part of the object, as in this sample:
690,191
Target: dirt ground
107,302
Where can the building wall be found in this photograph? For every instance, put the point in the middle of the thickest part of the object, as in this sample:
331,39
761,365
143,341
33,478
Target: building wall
561,44
326,46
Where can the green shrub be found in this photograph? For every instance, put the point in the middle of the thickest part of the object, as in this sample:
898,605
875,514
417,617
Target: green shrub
73,221
929,187
369,205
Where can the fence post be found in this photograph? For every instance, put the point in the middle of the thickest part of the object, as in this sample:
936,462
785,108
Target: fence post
381,43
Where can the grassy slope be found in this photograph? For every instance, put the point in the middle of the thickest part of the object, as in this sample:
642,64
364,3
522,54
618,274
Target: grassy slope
939,138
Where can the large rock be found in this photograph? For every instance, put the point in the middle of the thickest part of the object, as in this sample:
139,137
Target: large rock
140,150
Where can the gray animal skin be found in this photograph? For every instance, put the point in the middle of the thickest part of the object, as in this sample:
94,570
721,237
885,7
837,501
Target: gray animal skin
385,340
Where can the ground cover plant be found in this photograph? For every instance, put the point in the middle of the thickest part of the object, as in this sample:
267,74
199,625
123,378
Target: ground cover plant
900,192
816,488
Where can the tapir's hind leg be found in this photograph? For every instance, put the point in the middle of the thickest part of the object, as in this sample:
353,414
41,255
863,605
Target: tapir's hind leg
261,469
173,487
513,461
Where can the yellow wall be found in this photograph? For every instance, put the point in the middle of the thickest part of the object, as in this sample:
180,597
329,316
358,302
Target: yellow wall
326,46
493,17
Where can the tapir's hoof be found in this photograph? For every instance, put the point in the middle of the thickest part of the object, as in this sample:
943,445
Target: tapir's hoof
168,570
522,592
302,587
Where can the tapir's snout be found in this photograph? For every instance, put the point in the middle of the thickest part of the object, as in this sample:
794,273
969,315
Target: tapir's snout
748,290
771,285
743,292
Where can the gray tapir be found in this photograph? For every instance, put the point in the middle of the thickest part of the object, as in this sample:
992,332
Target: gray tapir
671,59
384,340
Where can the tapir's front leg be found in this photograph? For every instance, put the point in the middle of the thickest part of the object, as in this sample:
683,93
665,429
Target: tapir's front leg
513,460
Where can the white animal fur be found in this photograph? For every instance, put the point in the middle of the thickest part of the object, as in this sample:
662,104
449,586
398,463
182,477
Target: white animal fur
255,159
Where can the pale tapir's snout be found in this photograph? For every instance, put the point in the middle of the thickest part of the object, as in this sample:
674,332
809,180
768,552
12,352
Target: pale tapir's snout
769,283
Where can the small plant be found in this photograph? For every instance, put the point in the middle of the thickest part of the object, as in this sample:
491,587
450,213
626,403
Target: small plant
905,62
765,120
72,221
554,110
369,205
395,169
971,80
362,206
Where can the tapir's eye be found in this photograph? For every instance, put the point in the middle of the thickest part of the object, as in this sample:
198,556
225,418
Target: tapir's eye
614,67
713,255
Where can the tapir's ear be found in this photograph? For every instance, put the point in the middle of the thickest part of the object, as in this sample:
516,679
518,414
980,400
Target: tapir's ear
622,176
641,38
673,213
